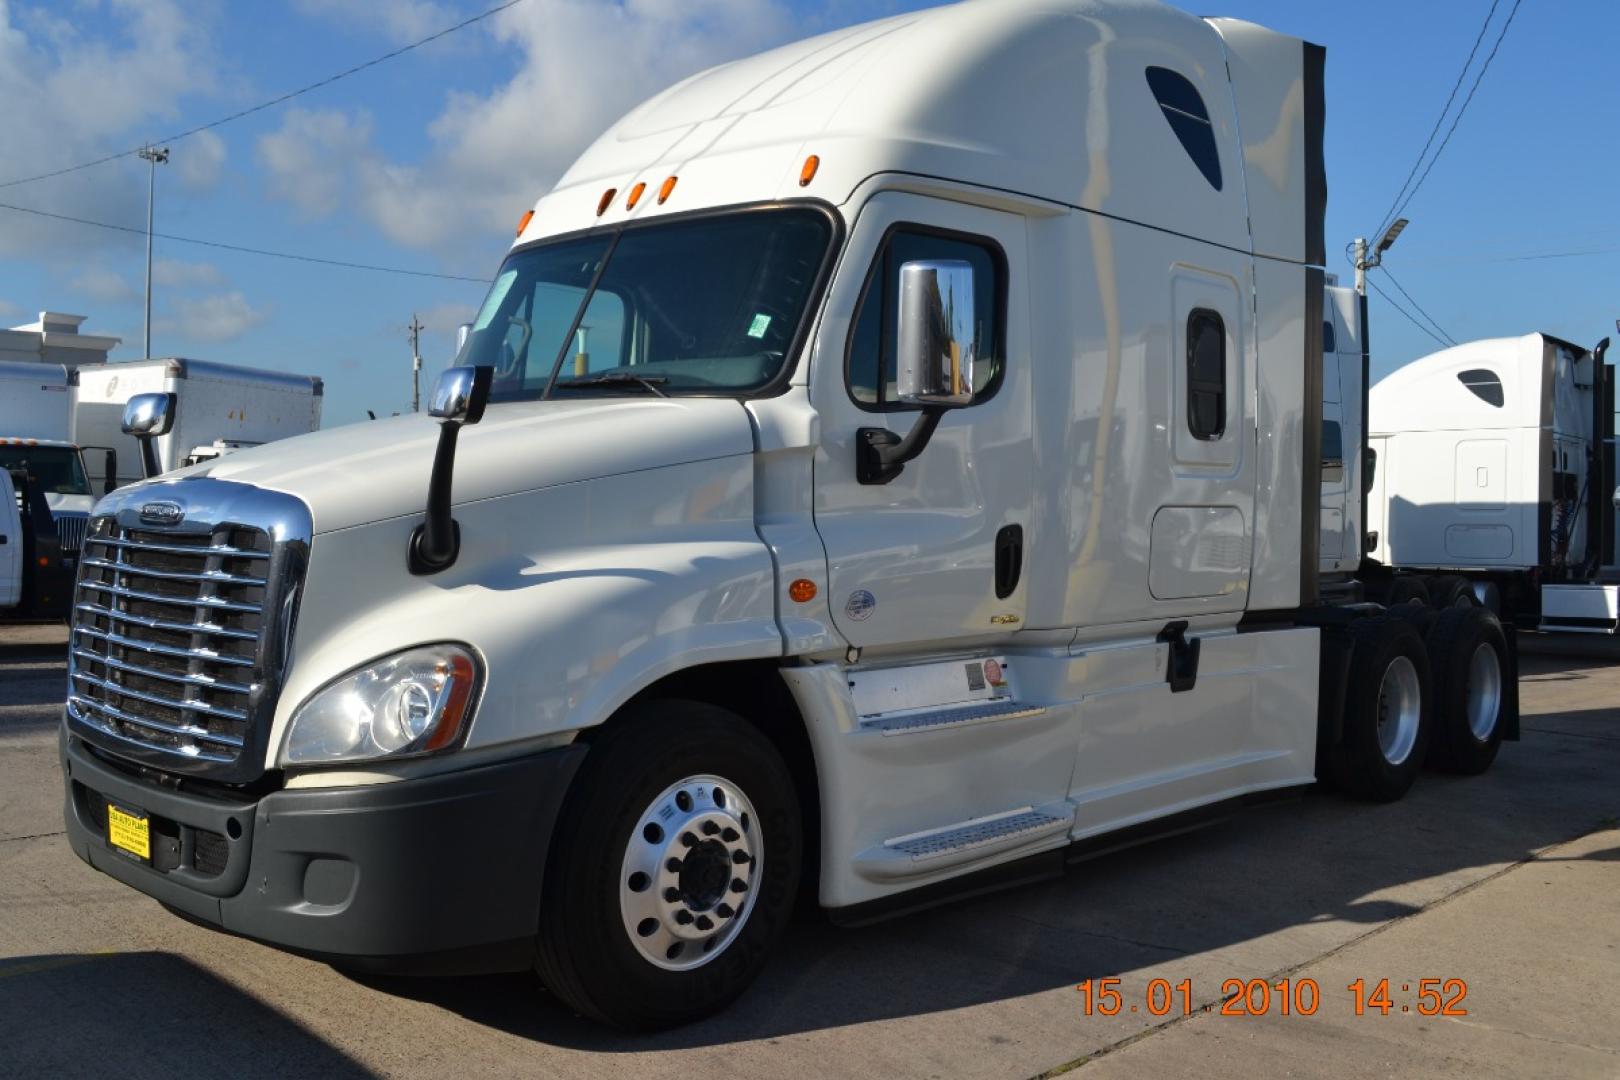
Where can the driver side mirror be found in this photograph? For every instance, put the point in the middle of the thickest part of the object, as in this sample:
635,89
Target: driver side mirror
934,345
146,417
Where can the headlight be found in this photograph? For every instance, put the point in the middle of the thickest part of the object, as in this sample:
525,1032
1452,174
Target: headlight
414,702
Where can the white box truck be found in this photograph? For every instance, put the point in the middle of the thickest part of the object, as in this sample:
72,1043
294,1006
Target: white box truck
1494,482
891,464
221,408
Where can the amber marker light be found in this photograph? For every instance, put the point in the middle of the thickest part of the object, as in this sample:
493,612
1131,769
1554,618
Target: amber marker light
635,195
666,190
808,173
607,201
802,591
459,671
523,222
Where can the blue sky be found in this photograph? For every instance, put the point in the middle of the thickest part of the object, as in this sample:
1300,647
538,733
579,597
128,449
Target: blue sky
426,161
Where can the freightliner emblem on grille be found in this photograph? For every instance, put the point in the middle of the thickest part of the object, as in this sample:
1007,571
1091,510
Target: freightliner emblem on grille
162,513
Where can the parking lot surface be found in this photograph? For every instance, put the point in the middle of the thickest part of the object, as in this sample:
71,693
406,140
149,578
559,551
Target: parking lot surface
1508,883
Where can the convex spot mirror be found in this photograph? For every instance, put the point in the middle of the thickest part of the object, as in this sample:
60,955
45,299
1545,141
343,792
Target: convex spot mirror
935,342
149,415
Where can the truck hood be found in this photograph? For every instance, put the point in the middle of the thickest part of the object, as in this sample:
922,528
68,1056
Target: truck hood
377,470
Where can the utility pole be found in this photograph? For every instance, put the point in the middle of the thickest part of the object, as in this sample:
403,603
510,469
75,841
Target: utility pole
153,156
416,329
1361,266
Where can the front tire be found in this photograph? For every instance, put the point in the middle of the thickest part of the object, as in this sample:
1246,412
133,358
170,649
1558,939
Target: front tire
673,869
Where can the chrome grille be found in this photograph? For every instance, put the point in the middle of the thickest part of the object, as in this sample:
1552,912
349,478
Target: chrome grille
179,635
70,532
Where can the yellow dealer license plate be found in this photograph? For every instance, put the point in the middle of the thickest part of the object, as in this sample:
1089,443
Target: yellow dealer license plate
129,832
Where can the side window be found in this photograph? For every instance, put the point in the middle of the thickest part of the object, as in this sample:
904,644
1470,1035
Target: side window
1332,451
1328,344
1206,375
870,365
1184,110
1484,383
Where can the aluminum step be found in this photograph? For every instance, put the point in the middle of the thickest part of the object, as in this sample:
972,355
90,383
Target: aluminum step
951,716
967,842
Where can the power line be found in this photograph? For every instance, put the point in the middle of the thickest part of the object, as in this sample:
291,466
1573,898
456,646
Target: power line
1404,312
1486,66
1417,307
329,80
1390,214
244,250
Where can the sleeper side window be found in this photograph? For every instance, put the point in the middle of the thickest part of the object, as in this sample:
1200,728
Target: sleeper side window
1332,451
1484,384
1184,110
1206,374
870,363
1329,345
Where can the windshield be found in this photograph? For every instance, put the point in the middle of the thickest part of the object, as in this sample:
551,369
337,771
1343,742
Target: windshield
56,469
706,305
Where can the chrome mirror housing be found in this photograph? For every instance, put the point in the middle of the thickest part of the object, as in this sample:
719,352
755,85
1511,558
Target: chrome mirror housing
458,395
935,343
149,415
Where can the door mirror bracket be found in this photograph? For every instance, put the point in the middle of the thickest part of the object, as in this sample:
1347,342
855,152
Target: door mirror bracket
881,455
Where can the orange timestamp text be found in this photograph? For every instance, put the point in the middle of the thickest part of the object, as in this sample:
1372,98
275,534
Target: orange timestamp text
1280,997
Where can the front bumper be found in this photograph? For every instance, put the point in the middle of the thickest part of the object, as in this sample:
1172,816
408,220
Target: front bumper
441,873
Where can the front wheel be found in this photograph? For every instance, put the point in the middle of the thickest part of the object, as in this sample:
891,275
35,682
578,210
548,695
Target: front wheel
673,869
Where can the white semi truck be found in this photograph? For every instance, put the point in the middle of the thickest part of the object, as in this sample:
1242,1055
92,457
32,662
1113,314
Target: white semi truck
890,466
38,404
1494,482
219,408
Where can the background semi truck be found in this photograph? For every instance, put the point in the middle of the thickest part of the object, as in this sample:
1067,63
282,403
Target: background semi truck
932,502
37,417
1495,479
222,407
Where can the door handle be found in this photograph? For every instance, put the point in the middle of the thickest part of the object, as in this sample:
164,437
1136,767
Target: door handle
1009,559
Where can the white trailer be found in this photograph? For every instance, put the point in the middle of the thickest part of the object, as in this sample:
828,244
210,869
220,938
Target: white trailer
1494,481
223,403
935,497
37,410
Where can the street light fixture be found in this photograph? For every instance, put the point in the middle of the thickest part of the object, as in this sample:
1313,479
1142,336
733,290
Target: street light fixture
1385,242
153,156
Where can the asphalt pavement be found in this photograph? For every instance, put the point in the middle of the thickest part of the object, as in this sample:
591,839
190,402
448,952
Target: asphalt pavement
1505,887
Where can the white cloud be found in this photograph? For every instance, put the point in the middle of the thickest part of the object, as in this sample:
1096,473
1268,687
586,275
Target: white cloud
402,20
310,160
104,286
75,88
216,318
198,161
176,274
583,64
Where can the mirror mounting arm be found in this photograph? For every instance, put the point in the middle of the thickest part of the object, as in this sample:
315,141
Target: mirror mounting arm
881,455
458,399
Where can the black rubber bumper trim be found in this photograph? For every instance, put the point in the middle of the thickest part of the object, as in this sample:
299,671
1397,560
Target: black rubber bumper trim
383,874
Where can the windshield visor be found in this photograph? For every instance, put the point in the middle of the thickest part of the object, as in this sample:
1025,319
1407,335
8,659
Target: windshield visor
707,305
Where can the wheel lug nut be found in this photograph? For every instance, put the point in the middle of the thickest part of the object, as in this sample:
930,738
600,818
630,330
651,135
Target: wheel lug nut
688,839
705,923
731,836
724,911
672,894
710,828
741,858
683,917
739,885
673,865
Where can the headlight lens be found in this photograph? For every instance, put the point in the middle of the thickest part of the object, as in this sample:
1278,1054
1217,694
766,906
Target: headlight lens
414,702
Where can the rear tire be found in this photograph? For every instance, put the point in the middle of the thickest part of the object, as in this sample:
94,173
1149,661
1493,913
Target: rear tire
1407,588
1451,590
642,925
1469,654
1386,711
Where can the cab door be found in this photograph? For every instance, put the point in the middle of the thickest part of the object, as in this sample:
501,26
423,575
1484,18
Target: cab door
11,545
935,554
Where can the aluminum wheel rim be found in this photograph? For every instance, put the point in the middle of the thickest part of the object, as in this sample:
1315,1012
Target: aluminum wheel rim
1484,691
688,871
1400,705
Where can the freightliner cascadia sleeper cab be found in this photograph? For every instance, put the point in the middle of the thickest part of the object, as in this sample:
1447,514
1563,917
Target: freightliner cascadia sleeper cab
884,466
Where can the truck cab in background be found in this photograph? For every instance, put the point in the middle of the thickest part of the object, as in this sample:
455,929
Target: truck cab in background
38,406
1343,543
11,546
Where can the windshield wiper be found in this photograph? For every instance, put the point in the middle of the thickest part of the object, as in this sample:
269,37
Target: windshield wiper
618,378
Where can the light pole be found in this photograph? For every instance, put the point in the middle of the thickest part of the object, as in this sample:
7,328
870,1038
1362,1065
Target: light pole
153,156
1363,264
